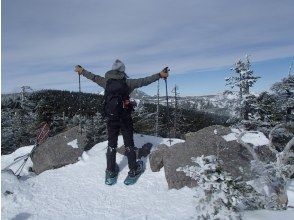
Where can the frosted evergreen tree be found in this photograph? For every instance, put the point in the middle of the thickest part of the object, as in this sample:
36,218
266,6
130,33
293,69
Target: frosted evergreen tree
144,121
284,91
76,120
268,108
243,78
57,124
44,112
273,176
7,134
95,128
100,128
24,121
216,195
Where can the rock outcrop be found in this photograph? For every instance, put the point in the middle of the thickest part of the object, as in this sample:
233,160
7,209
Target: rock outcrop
59,150
208,141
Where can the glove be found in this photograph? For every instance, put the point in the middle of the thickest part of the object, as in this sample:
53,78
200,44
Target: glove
164,72
79,69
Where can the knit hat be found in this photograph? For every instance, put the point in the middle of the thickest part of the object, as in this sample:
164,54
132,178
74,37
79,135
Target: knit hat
119,66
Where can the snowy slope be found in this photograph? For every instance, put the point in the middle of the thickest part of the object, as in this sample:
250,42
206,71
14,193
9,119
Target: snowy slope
78,191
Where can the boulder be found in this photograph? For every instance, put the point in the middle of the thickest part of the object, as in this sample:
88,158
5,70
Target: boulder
208,141
171,158
59,150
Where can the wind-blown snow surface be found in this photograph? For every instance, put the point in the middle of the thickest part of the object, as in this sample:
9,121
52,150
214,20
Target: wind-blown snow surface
255,138
77,191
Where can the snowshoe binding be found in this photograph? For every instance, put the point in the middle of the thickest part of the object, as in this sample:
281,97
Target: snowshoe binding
134,175
111,177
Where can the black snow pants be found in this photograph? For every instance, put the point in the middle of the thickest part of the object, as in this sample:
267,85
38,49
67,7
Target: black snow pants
114,126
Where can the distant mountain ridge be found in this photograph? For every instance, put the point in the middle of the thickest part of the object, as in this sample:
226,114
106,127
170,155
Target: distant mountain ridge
217,104
138,94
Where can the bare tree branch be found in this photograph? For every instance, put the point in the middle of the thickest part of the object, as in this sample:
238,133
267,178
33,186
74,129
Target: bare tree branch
271,145
282,157
289,145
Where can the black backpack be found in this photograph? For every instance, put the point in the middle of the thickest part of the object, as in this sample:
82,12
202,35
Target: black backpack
116,92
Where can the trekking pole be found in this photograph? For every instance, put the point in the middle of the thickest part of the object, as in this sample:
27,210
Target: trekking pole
80,103
40,138
157,110
167,106
42,135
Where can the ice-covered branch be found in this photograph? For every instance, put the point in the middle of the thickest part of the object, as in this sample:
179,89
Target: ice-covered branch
271,145
282,157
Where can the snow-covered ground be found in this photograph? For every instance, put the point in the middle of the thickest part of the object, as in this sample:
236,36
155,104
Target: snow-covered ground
77,191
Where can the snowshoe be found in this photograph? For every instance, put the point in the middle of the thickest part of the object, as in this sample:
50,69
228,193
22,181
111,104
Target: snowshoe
134,175
111,177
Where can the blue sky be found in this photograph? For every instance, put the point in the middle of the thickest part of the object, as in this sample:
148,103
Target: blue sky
200,40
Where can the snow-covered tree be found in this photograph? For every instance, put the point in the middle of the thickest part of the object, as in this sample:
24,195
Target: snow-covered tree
273,176
272,108
23,124
144,121
77,120
285,96
95,128
216,194
44,112
57,124
267,107
243,78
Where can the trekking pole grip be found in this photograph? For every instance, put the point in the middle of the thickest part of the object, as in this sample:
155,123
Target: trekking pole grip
166,70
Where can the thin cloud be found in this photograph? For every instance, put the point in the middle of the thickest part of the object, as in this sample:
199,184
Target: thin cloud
40,38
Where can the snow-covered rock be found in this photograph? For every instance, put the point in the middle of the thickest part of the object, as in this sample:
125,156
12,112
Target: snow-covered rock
207,141
255,138
60,150
77,191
